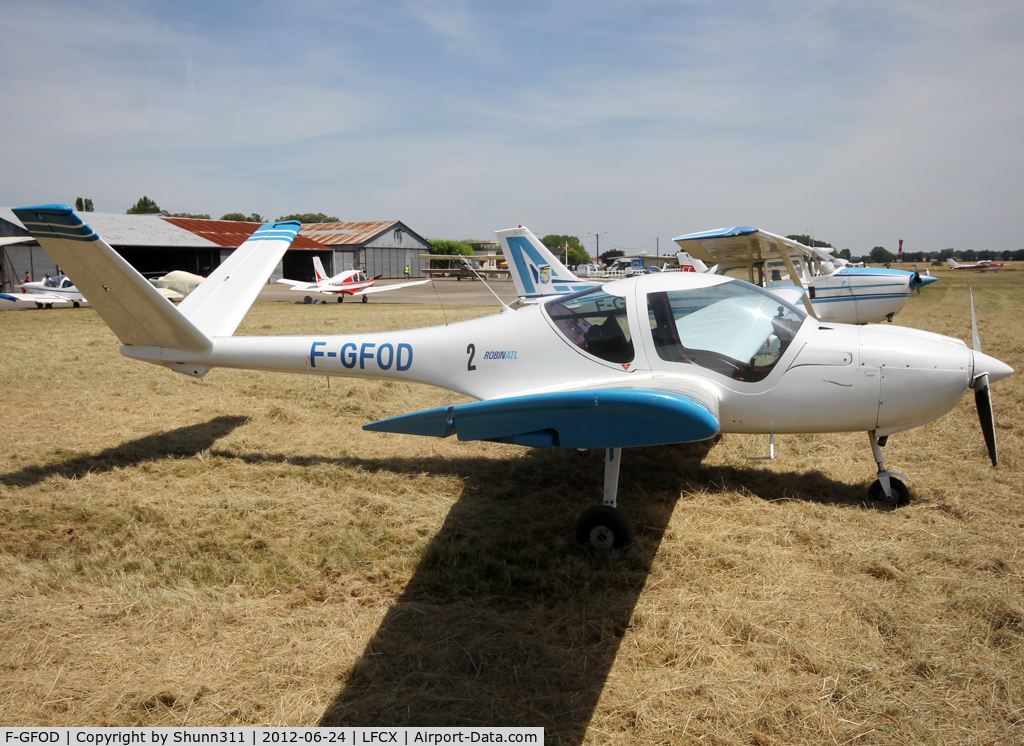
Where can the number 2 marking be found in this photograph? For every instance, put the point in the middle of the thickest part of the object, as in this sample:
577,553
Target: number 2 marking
471,351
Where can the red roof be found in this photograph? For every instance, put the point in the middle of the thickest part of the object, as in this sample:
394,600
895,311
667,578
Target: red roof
231,234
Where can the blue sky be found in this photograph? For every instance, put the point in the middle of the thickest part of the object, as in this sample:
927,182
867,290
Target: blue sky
860,122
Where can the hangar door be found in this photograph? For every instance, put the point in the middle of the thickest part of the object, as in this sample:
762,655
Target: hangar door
298,265
391,263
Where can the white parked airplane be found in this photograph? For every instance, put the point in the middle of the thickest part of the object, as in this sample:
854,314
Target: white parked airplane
983,266
834,292
660,358
350,282
45,293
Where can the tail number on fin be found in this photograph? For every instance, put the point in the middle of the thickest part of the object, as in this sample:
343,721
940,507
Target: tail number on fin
385,355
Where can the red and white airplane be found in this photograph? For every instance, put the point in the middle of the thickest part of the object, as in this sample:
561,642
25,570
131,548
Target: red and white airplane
349,282
983,266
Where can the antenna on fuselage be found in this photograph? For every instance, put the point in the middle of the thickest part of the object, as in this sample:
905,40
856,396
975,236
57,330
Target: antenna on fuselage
471,268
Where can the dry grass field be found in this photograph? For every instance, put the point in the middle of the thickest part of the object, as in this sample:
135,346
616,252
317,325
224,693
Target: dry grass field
237,551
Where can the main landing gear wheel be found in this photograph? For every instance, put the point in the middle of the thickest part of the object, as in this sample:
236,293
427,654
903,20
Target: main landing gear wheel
604,527
900,492
341,298
365,298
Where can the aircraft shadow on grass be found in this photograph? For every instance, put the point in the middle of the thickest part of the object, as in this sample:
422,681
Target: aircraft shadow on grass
181,442
507,621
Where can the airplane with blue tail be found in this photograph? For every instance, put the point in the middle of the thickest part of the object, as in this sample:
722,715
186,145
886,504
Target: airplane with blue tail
649,360
536,272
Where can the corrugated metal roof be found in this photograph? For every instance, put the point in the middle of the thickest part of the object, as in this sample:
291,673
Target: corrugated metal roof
144,230
120,229
345,234
232,233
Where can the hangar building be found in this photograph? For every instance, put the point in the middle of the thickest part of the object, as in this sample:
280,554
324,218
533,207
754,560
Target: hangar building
155,244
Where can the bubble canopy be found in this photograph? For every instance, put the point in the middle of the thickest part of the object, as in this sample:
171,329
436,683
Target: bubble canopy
733,328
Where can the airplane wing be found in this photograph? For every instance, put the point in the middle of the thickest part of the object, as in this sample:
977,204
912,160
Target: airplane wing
298,285
34,297
649,412
382,288
739,245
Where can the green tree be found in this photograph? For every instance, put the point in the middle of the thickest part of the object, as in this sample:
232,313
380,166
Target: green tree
880,255
200,216
145,206
83,204
607,256
844,254
310,217
808,241
557,244
239,217
450,248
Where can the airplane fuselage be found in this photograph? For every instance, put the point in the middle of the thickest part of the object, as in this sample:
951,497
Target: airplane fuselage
768,366
59,286
861,295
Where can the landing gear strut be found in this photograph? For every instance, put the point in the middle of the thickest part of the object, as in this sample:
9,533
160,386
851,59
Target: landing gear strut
604,526
887,487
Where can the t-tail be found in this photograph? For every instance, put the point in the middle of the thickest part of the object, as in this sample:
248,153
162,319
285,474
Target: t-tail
134,310
536,272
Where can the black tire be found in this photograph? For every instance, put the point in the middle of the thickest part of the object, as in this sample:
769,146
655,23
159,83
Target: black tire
341,298
365,298
900,493
75,303
604,527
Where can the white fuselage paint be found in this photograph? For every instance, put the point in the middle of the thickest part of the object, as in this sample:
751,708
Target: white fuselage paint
831,378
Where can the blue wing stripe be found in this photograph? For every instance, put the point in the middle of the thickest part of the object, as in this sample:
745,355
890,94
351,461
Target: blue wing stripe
740,230
605,418
55,221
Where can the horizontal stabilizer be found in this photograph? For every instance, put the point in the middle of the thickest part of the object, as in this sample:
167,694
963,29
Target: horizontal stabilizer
133,309
603,418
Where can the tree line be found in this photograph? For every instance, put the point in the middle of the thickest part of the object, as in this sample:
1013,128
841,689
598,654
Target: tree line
569,248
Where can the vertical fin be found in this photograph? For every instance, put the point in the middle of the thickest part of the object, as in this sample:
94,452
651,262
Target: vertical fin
535,271
318,270
220,303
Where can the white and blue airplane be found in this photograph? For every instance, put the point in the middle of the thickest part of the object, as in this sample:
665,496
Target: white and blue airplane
536,272
853,295
654,359
45,293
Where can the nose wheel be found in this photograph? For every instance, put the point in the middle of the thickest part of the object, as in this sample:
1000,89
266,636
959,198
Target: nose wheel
604,526
887,488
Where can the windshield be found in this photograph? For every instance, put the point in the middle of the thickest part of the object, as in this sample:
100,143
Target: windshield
596,322
734,328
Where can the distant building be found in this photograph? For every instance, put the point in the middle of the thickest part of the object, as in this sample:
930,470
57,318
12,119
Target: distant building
154,244
382,248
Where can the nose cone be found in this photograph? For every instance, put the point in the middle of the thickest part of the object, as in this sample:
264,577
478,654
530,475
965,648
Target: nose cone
925,280
997,370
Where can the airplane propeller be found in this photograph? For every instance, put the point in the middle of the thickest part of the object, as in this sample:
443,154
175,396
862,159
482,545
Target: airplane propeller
985,367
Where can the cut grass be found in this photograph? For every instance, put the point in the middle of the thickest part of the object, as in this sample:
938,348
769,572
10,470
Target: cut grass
237,551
